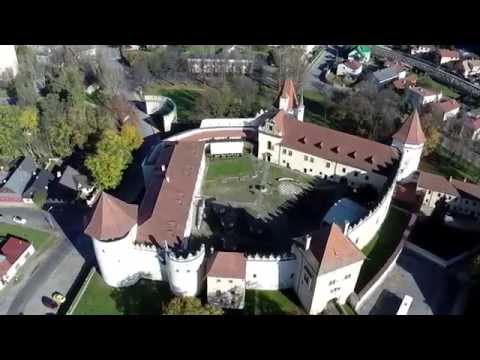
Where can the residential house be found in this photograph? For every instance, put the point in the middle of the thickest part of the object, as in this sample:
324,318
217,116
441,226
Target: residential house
361,53
211,66
40,184
385,76
444,56
14,252
421,49
226,279
469,67
14,187
471,126
446,109
419,96
407,82
352,68
72,179
434,188
469,201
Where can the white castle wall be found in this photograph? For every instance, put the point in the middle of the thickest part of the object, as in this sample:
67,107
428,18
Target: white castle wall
270,272
114,259
240,122
186,275
364,231
411,156
226,147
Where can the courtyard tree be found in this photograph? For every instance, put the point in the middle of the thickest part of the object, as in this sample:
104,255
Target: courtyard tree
432,133
190,306
113,155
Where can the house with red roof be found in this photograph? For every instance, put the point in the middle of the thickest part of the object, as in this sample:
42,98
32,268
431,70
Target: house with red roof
226,273
419,96
446,109
444,56
14,252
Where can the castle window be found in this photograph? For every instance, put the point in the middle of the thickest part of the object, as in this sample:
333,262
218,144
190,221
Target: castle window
366,177
188,271
305,158
348,276
179,271
269,145
292,275
218,293
218,280
332,282
311,159
311,170
230,281
327,165
254,276
284,151
289,153
283,161
355,173
344,170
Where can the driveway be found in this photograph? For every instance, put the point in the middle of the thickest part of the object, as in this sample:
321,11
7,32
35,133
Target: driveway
435,291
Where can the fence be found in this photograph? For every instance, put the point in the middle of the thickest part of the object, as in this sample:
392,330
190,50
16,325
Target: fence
81,279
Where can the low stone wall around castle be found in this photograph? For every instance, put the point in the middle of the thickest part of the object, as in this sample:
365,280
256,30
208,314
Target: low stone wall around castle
270,272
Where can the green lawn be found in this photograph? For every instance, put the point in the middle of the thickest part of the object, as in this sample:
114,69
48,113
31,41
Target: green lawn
444,163
382,245
145,297
184,96
426,81
235,167
40,239
261,302
281,172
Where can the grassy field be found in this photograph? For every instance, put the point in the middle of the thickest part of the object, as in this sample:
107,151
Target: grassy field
382,245
235,167
259,302
184,96
40,239
426,81
280,172
443,163
145,297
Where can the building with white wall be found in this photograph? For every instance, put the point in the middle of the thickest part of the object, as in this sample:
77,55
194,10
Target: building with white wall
447,109
151,240
419,96
14,253
288,101
8,61
409,139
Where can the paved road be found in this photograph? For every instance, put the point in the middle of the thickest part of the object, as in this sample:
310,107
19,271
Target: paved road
54,270
434,290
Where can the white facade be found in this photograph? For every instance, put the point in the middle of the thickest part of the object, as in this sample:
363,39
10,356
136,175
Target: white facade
270,272
10,274
186,275
226,292
239,122
419,96
410,160
226,147
315,290
8,60
343,69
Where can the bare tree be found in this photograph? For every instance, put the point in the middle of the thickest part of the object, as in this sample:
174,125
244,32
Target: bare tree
109,72
292,64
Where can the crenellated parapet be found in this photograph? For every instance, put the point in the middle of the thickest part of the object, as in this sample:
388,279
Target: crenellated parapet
271,257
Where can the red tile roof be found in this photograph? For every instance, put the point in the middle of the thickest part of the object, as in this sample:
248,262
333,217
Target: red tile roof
436,183
467,189
411,131
288,91
111,219
449,53
231,265
334,145
401,84
13,248
333,249
171,192
446,106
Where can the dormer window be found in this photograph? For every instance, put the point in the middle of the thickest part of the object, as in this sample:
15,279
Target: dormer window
336,149
319,144
369,159
302,140
353,154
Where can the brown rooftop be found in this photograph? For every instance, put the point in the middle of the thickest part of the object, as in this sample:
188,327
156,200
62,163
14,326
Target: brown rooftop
333,249
334,145
167,219
411,131
446,106
288,91
467,189
231,265
111,219
436,183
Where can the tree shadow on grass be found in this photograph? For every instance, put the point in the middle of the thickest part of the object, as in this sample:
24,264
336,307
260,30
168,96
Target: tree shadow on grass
146,297
264,303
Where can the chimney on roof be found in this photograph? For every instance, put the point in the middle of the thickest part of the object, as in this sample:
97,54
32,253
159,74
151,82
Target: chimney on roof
163,167
167,178
308,241
345,228
450,179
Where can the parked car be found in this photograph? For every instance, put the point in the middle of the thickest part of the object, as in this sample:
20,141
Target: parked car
19,220
58,298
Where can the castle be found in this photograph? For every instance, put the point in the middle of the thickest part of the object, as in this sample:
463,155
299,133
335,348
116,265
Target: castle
151,240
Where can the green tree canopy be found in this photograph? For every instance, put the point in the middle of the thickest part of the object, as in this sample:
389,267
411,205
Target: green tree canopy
190,306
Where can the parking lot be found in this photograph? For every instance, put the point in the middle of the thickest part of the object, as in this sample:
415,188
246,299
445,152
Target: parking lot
435,291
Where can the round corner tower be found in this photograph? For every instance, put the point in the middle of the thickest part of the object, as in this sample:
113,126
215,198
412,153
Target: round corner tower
186,274
409,139
113,229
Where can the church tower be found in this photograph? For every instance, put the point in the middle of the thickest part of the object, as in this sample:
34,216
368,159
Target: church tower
409,139
288,101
